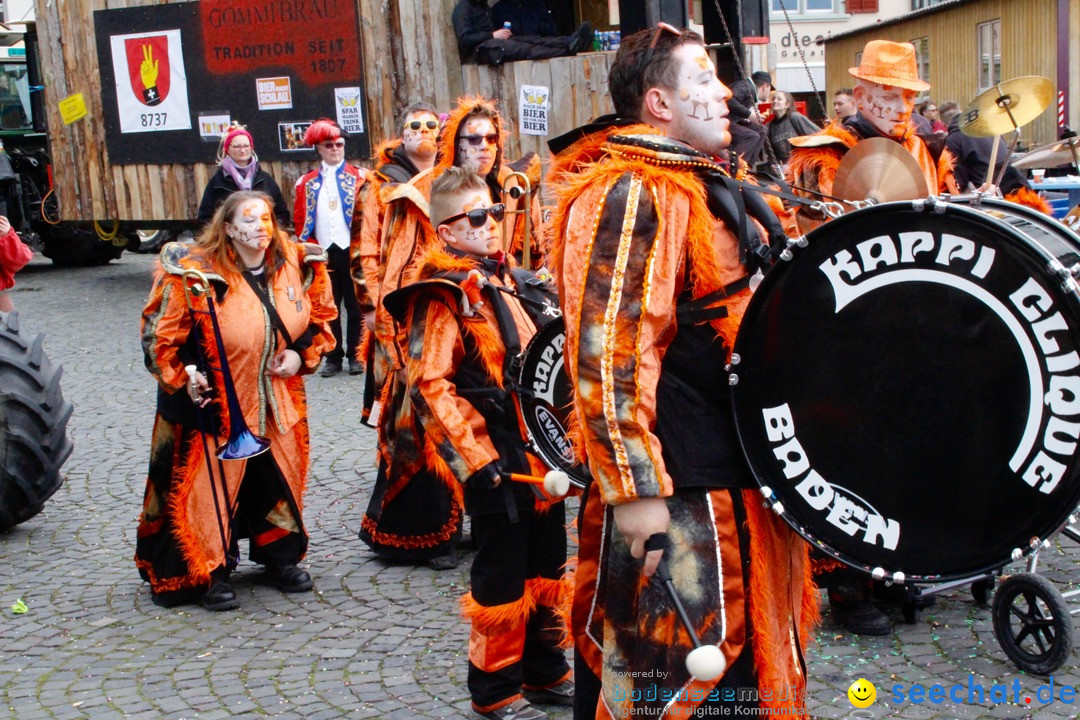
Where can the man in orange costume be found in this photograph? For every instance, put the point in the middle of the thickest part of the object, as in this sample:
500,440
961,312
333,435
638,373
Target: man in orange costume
398,161
653,260
412,515
887,83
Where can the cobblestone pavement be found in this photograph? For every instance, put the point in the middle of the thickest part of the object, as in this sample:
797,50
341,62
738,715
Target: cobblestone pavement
372,641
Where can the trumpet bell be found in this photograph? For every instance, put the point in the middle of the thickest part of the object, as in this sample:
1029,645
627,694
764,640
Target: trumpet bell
243,445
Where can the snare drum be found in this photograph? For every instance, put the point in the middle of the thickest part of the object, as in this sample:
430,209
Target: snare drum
547,400
907,386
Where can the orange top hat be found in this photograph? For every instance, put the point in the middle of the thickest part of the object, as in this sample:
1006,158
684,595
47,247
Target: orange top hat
890,63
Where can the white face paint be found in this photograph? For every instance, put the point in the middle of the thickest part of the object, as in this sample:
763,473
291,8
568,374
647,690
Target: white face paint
251,229
700,102
460,234
420,143
482,131
886,107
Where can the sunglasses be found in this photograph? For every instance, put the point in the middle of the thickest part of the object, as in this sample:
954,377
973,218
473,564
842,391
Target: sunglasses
330,145
476,140
417,124
661,28
478,217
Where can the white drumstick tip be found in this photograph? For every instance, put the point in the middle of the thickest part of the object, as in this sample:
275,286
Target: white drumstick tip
191,370
556,483
706,662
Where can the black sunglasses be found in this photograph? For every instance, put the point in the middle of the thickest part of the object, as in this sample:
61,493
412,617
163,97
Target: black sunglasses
475,140
416,124
478,217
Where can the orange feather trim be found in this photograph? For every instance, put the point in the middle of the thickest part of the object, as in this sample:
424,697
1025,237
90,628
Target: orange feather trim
414,542
492,619
1030,198
773,549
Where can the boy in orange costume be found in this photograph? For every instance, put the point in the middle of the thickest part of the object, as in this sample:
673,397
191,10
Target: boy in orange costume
411,515
653,261
461,333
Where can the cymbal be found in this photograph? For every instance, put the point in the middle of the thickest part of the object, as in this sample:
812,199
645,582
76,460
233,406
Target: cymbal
879,169
1051,155
1024,98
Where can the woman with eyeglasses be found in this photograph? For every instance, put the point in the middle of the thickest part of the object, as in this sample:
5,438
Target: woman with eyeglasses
239,170
327,211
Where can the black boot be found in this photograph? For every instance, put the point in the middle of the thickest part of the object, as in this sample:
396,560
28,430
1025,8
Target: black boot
220,595
288,578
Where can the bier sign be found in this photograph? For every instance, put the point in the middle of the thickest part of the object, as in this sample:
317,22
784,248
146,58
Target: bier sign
533,108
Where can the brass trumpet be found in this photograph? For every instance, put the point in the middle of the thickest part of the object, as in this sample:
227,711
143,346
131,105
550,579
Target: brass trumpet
242,443
523,188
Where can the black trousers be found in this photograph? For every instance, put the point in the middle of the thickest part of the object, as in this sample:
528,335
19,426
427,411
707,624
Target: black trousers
264,491
341,283
507,554
521,47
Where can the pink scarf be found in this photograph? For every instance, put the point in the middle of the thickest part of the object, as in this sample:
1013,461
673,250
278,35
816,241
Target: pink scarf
242,176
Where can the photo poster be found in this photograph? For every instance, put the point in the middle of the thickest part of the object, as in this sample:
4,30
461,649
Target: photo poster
533,108
227,58
213,126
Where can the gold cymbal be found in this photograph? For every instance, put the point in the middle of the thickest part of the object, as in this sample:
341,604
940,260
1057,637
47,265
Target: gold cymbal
1007,106
879,169
1052,155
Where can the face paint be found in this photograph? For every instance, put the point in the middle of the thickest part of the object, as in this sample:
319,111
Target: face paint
482,155
420,143
483,240
251,228
700,102
885,107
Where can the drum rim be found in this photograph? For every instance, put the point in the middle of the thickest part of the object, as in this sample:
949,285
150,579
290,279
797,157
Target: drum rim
579,472
947,206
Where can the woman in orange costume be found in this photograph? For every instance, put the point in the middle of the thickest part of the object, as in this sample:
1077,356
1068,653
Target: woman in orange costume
186,544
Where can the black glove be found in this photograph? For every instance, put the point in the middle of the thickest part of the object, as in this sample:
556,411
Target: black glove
487,477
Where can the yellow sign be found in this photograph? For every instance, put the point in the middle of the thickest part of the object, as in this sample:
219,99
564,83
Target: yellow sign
72,108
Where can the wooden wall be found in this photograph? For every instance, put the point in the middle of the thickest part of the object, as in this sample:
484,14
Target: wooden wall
409,54
1028,47
579,93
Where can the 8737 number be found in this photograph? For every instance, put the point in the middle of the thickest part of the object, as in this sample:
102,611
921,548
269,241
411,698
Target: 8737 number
153,120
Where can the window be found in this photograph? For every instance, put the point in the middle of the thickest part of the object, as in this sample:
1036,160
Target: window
862,6
15,111
804,7
989,42
922,58
920,4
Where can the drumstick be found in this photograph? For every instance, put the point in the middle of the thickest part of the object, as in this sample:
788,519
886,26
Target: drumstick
555,483
705,662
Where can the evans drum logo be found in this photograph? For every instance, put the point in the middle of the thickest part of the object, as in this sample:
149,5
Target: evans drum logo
554,433
548,367
1025,307
840,507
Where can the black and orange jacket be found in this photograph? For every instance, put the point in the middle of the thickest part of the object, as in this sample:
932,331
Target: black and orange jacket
460,340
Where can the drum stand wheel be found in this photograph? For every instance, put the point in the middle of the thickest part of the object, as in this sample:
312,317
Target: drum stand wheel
1032,623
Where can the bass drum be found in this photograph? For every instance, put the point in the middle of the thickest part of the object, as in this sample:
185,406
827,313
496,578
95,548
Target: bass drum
907,386
546,398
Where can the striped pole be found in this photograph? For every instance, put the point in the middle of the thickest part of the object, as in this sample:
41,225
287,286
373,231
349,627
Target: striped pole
1061,108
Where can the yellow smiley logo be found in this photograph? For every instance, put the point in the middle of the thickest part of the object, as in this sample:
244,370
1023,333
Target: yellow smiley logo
862,693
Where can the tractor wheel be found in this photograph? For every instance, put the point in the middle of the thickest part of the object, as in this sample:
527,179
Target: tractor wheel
33,425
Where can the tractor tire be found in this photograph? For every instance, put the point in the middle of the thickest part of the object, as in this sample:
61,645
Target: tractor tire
74,247
33,425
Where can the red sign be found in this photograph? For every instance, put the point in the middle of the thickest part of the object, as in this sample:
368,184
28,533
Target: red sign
318,39
148,68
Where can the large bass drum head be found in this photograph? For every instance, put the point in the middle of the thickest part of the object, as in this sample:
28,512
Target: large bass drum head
907,387
547,401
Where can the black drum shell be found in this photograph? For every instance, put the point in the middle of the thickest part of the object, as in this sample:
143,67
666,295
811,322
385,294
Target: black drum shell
912,400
